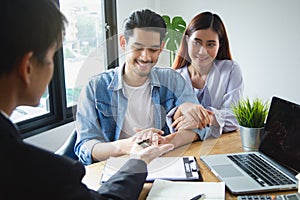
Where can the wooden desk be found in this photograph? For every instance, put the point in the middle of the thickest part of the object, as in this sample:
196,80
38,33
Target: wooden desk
227,143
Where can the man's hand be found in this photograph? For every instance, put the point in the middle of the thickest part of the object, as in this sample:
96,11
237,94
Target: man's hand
147,154
147,132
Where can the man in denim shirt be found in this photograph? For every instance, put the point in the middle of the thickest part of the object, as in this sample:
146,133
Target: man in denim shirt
135,97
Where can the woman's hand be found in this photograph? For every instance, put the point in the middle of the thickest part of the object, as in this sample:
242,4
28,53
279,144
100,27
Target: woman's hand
192,116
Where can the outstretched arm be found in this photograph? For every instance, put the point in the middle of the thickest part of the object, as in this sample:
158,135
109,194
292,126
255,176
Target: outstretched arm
104,150
132,175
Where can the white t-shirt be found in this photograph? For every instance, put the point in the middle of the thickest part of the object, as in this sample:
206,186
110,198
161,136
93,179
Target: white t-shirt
139,112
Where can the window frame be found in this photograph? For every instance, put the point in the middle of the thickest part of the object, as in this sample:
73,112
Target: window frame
59,113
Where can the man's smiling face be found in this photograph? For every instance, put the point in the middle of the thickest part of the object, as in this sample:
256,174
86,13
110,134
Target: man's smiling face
142,52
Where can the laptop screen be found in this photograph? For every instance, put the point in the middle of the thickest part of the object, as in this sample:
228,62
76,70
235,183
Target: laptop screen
281,138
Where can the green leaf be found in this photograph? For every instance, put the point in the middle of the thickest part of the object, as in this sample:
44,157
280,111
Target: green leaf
175,29
251,114
178,24
167,20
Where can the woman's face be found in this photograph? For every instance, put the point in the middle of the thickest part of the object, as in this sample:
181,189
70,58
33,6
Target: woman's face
203,46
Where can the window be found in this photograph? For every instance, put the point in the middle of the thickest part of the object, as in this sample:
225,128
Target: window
83,54
85,36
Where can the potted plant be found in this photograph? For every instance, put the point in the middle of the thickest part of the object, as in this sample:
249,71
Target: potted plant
251,116
175,29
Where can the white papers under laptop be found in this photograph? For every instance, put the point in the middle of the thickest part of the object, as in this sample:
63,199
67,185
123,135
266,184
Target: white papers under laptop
279,148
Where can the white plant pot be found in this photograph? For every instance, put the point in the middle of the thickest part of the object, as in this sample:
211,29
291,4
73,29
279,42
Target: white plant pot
251,138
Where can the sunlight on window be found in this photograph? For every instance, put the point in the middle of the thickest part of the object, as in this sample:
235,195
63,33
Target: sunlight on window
84,35
84,53
22,113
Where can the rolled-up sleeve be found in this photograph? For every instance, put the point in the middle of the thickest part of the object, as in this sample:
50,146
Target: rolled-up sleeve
87,125
184,93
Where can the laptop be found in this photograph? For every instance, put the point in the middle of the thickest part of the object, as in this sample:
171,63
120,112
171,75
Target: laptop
279,153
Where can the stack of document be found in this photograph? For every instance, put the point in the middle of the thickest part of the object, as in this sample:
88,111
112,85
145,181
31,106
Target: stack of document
186,190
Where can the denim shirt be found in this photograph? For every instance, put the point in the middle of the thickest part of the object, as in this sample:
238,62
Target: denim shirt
102,105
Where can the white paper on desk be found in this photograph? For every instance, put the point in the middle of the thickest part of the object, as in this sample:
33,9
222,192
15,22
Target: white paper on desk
169,168
185,190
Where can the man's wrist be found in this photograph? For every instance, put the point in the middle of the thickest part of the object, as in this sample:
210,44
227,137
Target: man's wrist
120,147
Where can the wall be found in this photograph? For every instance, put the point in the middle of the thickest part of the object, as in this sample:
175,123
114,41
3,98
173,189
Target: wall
264,38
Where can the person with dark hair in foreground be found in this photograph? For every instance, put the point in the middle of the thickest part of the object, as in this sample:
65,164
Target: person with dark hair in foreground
31,32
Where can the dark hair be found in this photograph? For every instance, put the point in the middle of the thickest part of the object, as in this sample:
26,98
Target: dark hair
31,25
145,19
202,21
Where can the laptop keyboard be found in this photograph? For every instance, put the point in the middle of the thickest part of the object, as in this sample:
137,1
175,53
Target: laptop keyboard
259,170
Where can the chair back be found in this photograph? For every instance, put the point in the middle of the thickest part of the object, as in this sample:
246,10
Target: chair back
67,149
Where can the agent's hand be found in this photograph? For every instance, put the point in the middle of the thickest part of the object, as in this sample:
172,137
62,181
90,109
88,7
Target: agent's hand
153,150
192,116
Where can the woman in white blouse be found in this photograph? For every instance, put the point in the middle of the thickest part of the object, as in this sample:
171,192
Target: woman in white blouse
205,61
